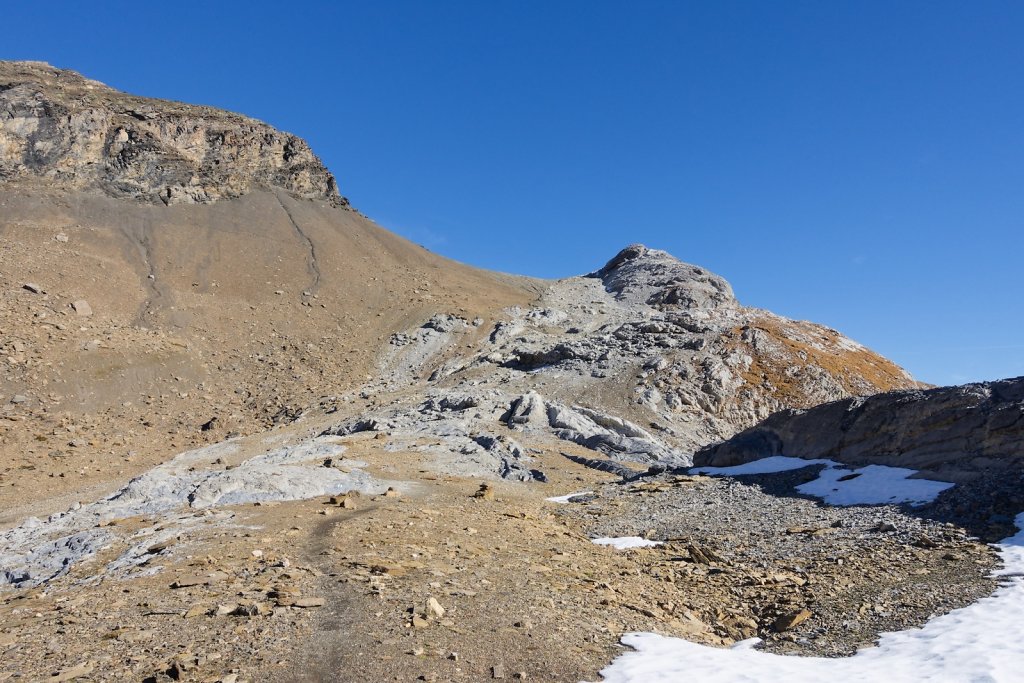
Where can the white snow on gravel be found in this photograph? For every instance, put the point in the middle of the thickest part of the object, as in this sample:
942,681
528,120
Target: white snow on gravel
626,542
562,500
873,485
776,463
870,485
978,643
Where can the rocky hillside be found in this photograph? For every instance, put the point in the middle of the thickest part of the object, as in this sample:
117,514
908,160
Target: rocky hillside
69,131
950,432
246,434
644,360
134,303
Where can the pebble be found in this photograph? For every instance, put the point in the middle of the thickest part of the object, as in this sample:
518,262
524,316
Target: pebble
309,602
434,608
83,669
791,620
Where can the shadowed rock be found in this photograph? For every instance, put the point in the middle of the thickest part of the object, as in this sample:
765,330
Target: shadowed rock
950,431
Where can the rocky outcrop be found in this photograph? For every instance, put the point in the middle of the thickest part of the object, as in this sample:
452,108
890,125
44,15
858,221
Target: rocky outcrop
64,129
625,373
656,278
948,431
666,344
601,432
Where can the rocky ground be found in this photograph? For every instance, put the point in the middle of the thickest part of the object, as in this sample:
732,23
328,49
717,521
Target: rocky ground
766,555
449,581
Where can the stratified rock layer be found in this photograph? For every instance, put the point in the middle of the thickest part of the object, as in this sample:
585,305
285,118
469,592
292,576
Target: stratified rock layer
70,131
949,431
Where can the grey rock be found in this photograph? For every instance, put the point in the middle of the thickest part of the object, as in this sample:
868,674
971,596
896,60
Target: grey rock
609,466
39,550
409,354
528,409
704,368
656,278
611,435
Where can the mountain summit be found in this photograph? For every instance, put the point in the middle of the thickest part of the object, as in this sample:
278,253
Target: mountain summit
656,278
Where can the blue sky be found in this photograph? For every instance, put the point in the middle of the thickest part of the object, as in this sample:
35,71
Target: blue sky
859,164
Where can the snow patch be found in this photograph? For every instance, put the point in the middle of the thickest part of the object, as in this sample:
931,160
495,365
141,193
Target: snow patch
626,542
562,500
872,485
776,463
837,485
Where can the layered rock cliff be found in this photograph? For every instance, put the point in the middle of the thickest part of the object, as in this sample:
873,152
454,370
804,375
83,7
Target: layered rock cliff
66,130
948,431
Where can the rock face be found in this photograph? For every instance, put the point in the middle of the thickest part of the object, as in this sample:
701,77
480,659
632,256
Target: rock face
948,431
656,278
70,131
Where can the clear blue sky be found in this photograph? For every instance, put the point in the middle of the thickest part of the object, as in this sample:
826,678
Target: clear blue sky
859,164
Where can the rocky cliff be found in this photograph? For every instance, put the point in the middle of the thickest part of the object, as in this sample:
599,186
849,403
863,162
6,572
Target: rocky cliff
68,131
949,431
